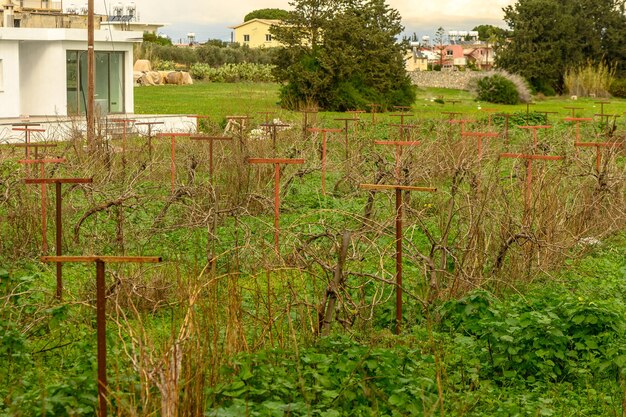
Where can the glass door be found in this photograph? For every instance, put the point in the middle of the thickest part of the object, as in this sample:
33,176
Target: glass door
109,72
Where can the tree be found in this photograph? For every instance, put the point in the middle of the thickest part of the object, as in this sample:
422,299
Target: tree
549,36
439,43
273,14
342,54
489,32
159,40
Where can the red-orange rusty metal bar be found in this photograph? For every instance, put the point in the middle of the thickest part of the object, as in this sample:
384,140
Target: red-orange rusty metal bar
173,137
479,142
198,118
277,162
607,116
578,120
149,125
210,139
324,132
356,114
267,115
101,329
241,120
272,129
346,120
598,146
534,129
27,129
124,122
602,103
490,112
59,217
374,109
546,113
398,144
573,109
44,198
529,174
453,101
461,122
305,114
451,114
398,190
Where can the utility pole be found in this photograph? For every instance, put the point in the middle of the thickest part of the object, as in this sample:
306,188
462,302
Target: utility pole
91,120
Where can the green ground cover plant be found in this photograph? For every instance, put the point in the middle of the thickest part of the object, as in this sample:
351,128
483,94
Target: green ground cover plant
500,318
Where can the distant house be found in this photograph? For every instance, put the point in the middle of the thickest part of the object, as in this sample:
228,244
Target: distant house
416,60
481,55
453,56
256,33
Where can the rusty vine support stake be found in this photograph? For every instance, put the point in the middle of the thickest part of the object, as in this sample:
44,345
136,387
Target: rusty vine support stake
573,109
267,115
356,114
506,116
346,120
598,146
210,139
602,103
529,176
305,114
149,125
578,120
101,262
34,145
398,189
490,112
198,117
607,117
272,128
44,199
59,217
277,162
461,122
124,122
173,137
324,132
241,120
479,142
534,129
528,111
546,113
27,129
373,109
451,114
398,144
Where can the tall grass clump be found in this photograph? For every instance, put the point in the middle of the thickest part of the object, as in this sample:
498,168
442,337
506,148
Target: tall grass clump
590,79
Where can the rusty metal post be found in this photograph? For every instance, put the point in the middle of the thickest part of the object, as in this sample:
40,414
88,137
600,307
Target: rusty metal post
59,216
149,125
346,120
373,109
276,162
578,120
529,177
398,193
210,139
398,260
44,198
534,129
59,238
100,262
198,117
598,146
573,109
398,145
101,337
173,137
273,131
324,131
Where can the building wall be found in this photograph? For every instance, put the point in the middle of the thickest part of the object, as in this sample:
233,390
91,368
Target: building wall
9,79
35,75
257,31
42,81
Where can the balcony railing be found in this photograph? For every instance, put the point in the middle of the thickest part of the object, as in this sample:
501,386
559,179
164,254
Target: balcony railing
39,5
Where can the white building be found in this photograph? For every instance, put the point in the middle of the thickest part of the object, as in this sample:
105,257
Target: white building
43,71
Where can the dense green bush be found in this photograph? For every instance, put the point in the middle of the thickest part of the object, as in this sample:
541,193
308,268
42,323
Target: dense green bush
230,73
497,89
618,88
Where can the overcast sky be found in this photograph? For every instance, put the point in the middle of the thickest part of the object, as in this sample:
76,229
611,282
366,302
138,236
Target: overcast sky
210,19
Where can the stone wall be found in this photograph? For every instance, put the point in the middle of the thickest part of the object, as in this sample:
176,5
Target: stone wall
443,79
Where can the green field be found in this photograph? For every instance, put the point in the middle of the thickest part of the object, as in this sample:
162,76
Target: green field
508,310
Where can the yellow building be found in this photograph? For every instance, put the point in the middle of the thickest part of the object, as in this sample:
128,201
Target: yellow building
256,33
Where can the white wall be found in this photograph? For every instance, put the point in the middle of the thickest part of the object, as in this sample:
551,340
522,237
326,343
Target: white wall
10,88
42,82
